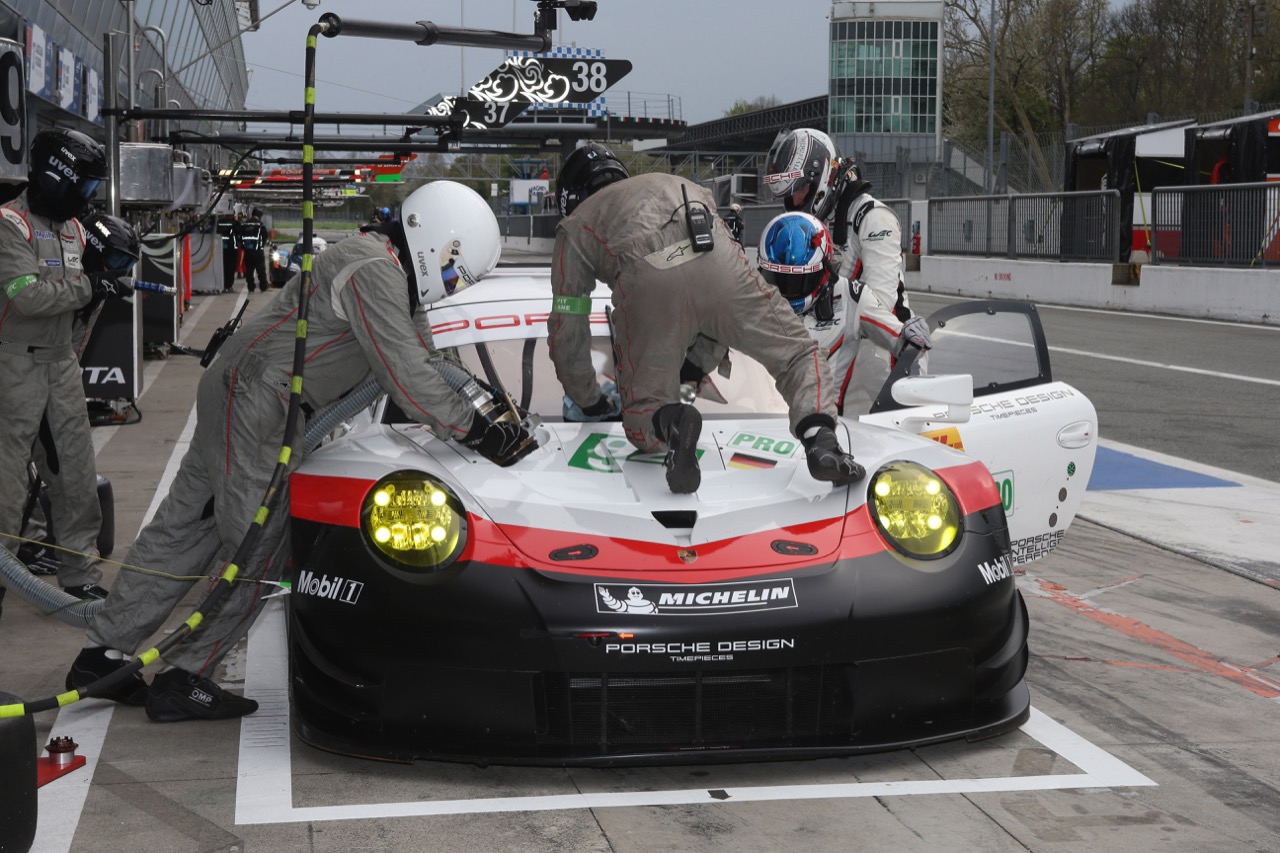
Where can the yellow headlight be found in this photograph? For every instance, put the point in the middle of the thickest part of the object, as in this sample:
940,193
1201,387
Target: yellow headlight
915,510
414,521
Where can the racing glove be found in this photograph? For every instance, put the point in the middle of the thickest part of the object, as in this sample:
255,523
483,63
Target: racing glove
108,287
608,406
500,442
914,332
827,462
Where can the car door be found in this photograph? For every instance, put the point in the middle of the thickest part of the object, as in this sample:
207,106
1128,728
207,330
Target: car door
1037,436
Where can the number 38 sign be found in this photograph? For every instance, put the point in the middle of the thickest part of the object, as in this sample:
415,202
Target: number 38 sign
13,113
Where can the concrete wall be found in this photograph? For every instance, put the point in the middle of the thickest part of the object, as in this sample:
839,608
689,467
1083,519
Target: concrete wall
1221,294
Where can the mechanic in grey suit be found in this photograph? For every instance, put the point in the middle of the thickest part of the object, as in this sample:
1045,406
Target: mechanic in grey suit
670,297
42,287
362,321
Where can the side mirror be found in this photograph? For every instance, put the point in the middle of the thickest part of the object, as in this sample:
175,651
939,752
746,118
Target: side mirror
952,392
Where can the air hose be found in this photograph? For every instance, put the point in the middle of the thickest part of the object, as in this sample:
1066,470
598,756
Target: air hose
48,599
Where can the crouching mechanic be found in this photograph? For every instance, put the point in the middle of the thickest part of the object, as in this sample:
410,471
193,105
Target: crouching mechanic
44,287
803,171
633,234
797,257
363,320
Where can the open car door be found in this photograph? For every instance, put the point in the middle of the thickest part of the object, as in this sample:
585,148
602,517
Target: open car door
1036,436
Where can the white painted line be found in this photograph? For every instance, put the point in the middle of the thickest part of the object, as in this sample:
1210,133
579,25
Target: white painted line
62,800
265,780
171,469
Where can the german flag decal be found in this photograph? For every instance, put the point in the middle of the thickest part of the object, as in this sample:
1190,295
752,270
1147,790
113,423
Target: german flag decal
742,460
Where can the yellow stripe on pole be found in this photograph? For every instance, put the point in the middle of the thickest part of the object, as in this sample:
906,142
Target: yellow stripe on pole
301,332
311,96
306,262
308,154
150,656
295,384
311,42
260,517
7,711
286,453
65,699
194,621
308,210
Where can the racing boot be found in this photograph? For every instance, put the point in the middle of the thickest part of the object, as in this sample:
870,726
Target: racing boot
177,695
678,426
95,663
826,460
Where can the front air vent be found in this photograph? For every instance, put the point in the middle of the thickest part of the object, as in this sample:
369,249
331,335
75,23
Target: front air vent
676,519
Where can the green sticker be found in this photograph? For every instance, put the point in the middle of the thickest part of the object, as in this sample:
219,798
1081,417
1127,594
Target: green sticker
605,453
1004,482
15,287
580,305
1071,469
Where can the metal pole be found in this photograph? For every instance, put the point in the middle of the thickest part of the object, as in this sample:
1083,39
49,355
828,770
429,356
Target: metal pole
1250,9
111,124
991,95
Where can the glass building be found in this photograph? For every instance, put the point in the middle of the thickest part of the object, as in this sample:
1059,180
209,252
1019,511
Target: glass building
193,46
886,77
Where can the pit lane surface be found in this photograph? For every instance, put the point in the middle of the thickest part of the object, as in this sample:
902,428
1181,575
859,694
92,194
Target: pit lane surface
1154,676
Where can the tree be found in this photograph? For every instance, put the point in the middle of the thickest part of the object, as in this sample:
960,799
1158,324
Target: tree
741,105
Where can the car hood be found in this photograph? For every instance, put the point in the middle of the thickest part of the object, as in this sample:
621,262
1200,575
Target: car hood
586,482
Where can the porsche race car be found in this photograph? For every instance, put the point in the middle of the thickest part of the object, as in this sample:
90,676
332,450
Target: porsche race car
570,609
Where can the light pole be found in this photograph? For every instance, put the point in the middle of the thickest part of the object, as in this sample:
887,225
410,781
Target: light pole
989,182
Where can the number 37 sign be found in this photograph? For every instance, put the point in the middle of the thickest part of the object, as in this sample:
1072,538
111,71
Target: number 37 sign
13,113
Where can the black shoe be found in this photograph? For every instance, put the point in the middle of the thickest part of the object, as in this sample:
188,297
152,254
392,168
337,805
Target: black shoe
40,559
179,695
93,664
679,426
827,462
87,591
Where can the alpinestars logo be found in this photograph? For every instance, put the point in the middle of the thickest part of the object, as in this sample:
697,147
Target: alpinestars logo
997,570
336,589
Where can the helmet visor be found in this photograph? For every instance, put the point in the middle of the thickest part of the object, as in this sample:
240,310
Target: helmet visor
118,262
89,186
794,282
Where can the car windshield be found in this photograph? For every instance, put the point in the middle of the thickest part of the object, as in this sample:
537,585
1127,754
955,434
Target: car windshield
524,369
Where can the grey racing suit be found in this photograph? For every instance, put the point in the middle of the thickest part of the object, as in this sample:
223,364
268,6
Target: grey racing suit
359,324
837,338
43,286
632,236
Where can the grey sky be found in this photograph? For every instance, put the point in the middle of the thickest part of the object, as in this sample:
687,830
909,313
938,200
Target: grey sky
709,53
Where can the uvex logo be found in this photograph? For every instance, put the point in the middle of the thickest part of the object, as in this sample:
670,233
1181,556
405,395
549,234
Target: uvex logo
336,589
63,168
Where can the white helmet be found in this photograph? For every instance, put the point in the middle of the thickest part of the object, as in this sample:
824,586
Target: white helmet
800,164
452,236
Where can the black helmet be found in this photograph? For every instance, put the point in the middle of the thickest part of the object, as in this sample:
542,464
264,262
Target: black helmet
65,170
111,245
584,171
257,213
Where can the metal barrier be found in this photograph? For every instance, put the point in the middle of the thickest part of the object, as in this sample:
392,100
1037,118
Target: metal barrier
1217,225
1079,226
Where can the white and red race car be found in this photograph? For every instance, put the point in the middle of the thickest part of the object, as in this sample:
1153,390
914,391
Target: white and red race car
569,609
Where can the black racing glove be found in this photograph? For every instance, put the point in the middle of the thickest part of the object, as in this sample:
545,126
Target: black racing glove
109,287
499,441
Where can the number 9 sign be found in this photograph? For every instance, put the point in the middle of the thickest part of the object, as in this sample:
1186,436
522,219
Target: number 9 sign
13,113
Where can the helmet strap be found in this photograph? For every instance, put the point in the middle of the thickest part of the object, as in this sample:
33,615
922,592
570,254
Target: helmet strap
823,309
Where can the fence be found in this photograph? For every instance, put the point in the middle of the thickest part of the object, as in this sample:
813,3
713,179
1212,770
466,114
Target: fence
1081,226
1218,225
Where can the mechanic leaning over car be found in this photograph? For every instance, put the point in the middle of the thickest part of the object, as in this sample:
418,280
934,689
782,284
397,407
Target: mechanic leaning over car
44,287
805,173
362,321
682,294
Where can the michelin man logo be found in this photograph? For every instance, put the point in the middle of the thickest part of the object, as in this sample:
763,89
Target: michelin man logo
635,602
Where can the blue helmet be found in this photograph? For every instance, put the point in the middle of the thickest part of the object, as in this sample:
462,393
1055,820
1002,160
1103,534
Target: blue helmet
795,257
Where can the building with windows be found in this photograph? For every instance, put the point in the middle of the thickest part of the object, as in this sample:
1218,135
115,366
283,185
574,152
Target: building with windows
191,47
885,95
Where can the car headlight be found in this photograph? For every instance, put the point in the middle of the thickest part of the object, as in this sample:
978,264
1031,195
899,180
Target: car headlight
414,521
914,510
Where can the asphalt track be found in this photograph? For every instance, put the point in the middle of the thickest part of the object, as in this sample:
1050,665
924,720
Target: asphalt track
1155,673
